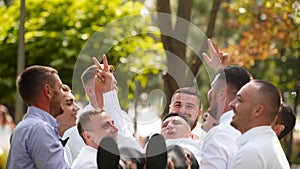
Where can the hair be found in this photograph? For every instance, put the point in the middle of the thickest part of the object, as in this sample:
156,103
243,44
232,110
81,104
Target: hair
4,113
85,119
271,95
286,117
31,81
133,155
178,155
189,91
90,72
66,88
176,114
236,77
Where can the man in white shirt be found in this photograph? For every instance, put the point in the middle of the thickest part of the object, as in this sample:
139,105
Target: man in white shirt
255,108
100,86
93,126
177,131
219,146
186,101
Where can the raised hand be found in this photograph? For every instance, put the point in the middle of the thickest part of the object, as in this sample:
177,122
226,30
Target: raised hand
104,79
217,58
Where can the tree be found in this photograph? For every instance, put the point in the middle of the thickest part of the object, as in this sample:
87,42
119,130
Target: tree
268,43
55,33
178,47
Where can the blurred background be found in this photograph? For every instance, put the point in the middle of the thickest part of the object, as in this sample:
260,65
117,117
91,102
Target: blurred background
153,54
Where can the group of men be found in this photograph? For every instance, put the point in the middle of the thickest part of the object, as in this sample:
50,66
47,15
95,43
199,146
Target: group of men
241,129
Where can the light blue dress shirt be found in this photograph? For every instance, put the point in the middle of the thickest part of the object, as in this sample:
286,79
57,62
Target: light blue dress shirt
35,143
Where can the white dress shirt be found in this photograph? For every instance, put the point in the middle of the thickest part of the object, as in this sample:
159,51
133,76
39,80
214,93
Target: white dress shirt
87,158
121,120
219,147
260,149
193,145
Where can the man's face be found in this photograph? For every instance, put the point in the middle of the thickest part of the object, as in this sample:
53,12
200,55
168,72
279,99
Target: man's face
68,118
101,126
187,105
244,106
57,96
175,127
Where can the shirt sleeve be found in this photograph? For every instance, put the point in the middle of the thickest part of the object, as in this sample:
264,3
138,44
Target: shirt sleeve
215,150
121,118
46,149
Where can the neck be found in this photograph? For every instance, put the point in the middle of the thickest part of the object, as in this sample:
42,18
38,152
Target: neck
61,130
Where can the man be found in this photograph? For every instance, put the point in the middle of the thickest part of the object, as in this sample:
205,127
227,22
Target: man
186,101
177,131
35,140
67,119
100,86
255,108
93,126
285,121
219,146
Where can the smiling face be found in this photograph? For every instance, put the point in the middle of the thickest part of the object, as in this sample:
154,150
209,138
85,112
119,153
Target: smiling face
68,118
186,105
175,127
245,107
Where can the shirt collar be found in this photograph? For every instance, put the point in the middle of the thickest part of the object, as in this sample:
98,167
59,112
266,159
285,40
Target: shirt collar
254,133
45,116
227,116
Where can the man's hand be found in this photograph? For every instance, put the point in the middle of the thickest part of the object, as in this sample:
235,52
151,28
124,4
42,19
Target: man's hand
217,58
104,78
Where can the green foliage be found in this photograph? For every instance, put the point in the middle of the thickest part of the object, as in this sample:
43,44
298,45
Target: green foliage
57,31
3,158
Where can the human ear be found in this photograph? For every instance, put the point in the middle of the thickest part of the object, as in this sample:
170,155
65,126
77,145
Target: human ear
47,90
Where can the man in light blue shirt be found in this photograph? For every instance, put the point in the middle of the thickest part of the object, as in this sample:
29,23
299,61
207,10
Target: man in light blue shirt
35,140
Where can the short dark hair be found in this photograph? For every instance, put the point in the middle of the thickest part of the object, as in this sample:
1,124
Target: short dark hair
286,117
176,114
90,72
271,94
236,77
189,91
85,118
31,81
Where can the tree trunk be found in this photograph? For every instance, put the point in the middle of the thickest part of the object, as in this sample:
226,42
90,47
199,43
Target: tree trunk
21,61
179,73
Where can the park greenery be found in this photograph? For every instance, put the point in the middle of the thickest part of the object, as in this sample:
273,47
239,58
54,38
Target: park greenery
261,35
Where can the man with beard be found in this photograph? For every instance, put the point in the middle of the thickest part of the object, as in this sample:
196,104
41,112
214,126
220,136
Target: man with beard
220,143
35,140
255,107
186,101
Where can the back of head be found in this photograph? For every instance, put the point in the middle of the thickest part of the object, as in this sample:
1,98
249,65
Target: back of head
182,158
269,95
236,77
32,80
132,155
88,74
286,117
